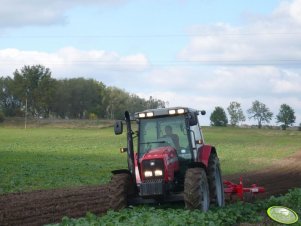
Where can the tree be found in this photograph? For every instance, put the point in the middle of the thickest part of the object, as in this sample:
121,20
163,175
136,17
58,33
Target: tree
78,97
260,112
1,116
9,104
236,113
117,102
286,115
152,103
34,85
84,97
218,117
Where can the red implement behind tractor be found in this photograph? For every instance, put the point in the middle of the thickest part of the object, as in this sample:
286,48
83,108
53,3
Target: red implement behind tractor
171,162
243,193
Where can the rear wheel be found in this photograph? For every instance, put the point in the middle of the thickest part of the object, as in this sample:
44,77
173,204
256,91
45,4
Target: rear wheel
216,186
196,190
118,191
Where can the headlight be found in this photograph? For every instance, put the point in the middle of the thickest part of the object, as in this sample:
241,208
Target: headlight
181,111
148,173
150,114
146,114
176,111
172,112
158,173
141,115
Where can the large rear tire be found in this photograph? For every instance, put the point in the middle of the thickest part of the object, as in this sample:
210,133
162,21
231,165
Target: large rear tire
196,189
118,191
216,185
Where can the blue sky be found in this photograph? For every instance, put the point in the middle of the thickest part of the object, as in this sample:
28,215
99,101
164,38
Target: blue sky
199,54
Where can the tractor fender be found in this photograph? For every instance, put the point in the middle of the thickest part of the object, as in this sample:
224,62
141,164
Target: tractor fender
204,154
137,174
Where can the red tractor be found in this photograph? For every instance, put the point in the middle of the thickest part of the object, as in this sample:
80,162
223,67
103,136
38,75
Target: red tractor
172,161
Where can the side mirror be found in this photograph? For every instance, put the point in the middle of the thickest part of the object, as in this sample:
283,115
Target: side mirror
193,119
118,127
203,112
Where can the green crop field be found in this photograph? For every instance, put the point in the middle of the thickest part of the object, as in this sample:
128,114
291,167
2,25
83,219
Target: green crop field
176,215
45,158
49,157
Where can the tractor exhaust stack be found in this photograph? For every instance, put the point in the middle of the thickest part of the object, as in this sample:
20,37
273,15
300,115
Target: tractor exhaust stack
130,146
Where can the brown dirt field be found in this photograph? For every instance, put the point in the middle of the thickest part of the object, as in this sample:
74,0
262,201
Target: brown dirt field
49,206
276,179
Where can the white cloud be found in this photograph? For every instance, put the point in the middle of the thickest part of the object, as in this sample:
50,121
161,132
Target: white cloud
258,60
18,13
69,61
269,40
231,82
171,78
206,88
259,50
289,10
287,82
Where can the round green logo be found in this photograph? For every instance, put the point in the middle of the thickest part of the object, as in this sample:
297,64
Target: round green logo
282,214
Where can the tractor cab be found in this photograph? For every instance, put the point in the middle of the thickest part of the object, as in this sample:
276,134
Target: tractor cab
177,128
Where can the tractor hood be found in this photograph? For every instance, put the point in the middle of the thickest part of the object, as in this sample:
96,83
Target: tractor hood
160,153
163,157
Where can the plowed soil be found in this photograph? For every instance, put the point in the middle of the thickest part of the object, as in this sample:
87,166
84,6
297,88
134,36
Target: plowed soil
49,206
276,179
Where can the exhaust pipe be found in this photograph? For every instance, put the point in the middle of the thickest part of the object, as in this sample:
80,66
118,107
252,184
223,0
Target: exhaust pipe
130,146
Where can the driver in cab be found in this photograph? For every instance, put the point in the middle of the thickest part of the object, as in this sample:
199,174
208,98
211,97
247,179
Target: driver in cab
174,137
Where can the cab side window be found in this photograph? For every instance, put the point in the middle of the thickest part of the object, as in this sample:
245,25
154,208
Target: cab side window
196,139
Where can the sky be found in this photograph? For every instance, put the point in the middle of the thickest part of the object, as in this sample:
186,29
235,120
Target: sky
195,53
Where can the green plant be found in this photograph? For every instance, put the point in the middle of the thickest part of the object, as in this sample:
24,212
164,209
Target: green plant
92,116
218,117
44,158
232,214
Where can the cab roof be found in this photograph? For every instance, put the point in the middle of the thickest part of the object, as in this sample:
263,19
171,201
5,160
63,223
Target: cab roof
165,112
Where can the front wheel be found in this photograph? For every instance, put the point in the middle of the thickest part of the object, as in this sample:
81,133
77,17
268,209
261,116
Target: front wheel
118,191
196,189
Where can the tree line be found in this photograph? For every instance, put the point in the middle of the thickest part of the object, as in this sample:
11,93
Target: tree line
258,111
33,91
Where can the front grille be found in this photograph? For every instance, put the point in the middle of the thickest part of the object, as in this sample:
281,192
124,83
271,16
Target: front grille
152,187
153,165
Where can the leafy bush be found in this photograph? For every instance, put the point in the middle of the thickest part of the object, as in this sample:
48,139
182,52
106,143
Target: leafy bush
164,215
1,117
291,200
92,116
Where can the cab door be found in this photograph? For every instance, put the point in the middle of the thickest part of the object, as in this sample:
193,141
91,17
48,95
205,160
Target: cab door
196,140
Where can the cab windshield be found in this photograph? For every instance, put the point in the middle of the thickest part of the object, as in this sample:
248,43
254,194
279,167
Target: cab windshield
166,131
